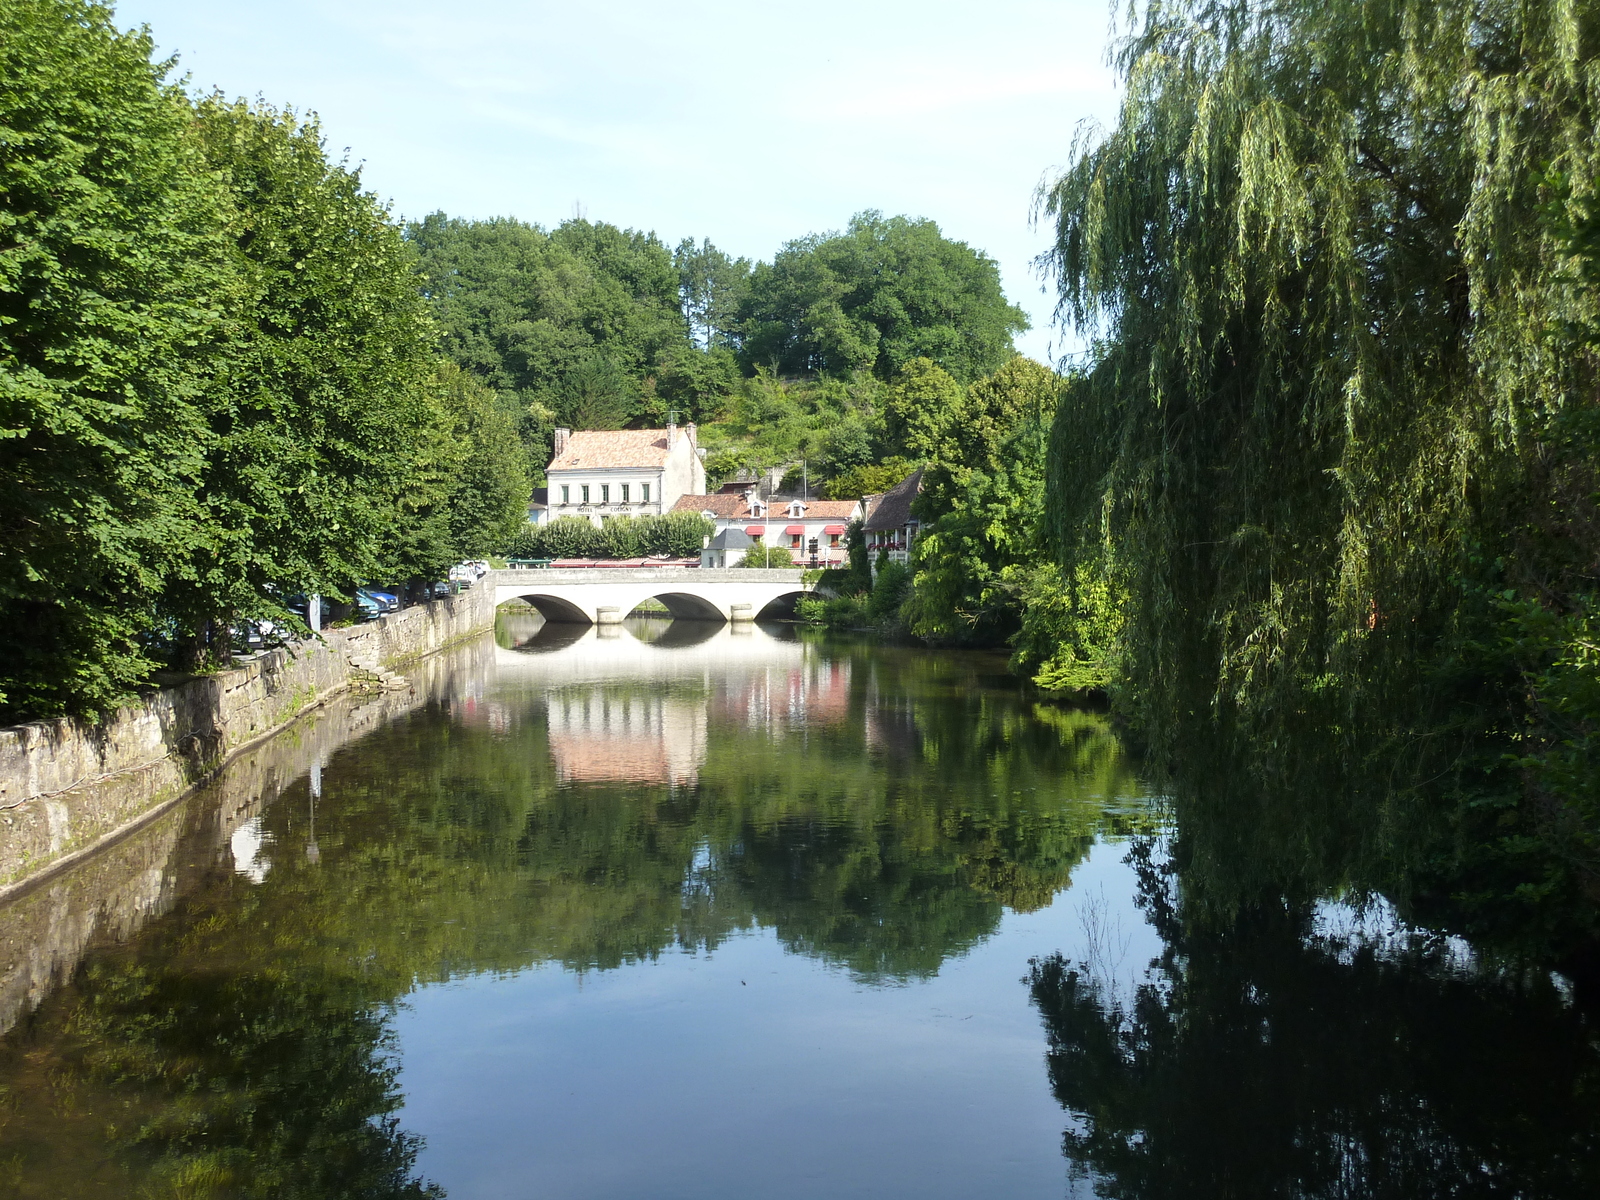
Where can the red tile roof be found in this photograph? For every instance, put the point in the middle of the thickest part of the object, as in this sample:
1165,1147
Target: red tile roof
603,449
735,508
721,503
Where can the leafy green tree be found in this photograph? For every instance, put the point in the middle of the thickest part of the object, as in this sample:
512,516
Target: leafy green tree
678,534
595,394
560,320
1070,628
623,537
1021,392
328,460
924,412
488,500
570,537
1324,427
883,292
763,557
870,479
711,287
115,283
970,561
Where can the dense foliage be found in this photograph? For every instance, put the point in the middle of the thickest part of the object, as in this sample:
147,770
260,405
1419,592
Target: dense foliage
585,325
218,383
114,261
673,534
875,296
1339,431
596,327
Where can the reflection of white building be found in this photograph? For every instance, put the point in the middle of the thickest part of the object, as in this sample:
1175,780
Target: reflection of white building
610,735
624,709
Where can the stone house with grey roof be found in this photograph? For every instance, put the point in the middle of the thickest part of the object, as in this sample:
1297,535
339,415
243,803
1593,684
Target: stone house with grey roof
621,473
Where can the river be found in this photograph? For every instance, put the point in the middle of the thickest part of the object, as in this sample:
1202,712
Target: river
683,910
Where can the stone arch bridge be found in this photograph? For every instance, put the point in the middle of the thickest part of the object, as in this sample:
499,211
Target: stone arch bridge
604,595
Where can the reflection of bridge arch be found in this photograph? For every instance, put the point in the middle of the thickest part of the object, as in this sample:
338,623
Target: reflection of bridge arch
604,596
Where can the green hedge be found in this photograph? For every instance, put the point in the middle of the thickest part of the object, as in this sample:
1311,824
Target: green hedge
675,534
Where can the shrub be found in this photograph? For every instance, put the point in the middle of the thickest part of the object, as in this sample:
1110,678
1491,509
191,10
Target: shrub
839,612
624,537
528,542
889,592
767,556
571,537
677,534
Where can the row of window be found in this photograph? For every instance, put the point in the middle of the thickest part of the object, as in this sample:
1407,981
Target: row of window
795,540
605,493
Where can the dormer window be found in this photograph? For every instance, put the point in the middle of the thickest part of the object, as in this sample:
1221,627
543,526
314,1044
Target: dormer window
797,509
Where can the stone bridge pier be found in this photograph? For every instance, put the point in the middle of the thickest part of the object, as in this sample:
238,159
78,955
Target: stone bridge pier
605,595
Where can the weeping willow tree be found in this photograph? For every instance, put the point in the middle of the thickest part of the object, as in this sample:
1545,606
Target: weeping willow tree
1336,430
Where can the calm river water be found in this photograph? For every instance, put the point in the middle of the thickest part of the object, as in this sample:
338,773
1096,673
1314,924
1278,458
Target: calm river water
690,911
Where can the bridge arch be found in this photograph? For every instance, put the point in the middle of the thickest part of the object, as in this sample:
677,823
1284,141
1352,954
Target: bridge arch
603,596
687,606
554,608
780,605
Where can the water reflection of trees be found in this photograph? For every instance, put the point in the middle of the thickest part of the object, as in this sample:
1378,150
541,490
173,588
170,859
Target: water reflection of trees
1261,1060
240,1042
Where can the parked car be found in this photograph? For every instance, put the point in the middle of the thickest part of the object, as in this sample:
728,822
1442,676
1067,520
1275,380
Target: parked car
367,607
386,601
259,635
441,589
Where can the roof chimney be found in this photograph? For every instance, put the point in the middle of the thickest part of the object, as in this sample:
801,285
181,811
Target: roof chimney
672,434
560,444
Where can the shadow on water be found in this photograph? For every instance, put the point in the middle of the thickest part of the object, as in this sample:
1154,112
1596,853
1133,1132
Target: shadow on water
1317,1050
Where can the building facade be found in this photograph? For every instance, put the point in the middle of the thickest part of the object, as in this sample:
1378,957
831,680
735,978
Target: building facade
621,473
890,526
806,528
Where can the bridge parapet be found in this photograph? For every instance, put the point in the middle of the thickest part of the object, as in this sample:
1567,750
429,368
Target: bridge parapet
601,575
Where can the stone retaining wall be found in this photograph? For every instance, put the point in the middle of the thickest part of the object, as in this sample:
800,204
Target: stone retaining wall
67,787
109,896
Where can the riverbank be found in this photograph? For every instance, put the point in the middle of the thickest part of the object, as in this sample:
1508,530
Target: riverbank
69,788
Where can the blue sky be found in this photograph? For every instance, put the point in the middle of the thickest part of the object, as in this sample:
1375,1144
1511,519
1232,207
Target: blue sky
747,123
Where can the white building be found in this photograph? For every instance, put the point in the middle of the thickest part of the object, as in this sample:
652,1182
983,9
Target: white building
621,472
803,527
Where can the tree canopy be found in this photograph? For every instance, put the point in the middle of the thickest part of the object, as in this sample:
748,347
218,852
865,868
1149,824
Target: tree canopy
881,293
218,379
1337,426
